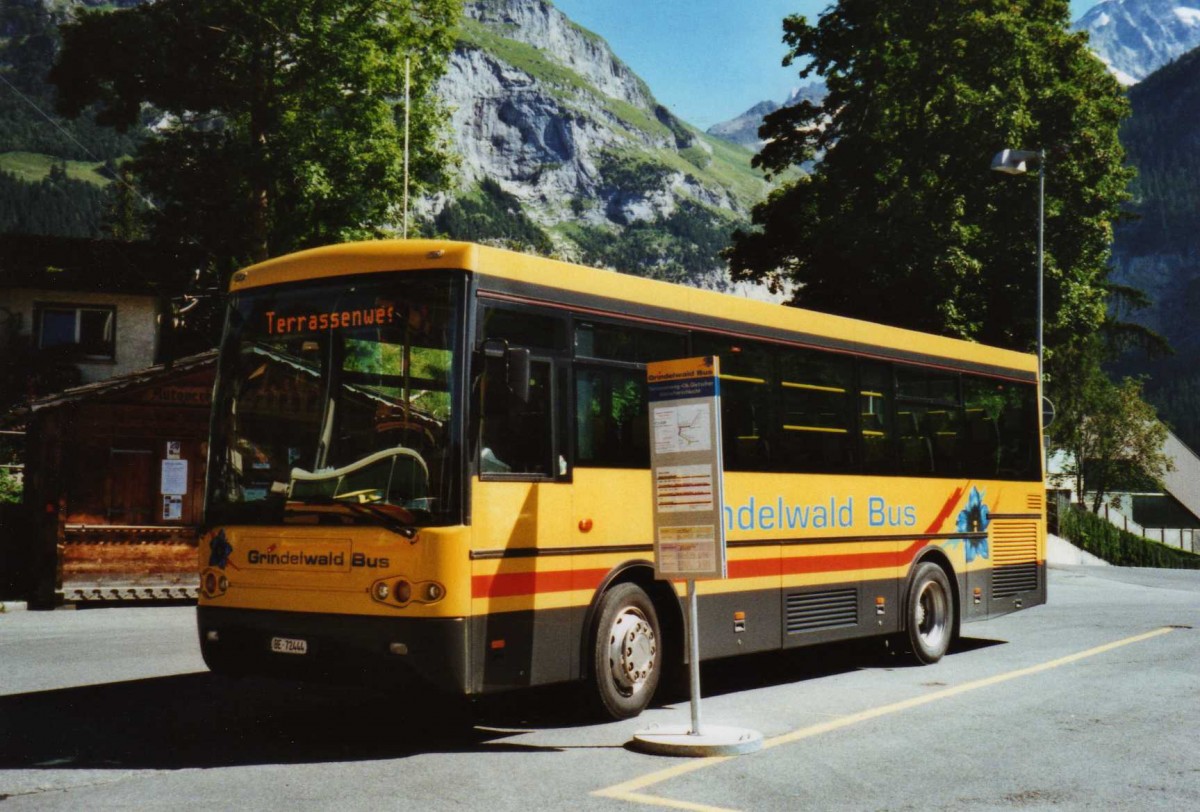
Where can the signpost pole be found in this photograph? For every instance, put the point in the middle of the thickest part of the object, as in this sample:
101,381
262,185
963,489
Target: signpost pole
694,656
689,531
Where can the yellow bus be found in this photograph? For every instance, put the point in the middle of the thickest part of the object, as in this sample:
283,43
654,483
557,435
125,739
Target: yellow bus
429,462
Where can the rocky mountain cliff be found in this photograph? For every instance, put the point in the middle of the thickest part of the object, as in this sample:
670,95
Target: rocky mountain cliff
1137,37
566,150
744,128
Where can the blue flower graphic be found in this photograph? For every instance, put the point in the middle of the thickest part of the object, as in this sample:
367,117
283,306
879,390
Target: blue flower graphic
974,519
219,550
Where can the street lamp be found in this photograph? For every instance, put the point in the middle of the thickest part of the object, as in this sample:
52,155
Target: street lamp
1013,162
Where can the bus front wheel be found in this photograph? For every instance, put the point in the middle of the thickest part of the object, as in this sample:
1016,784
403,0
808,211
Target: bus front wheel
930,617
626,652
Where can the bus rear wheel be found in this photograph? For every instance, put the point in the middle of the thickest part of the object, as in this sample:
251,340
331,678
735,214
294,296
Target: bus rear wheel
626,652
930,617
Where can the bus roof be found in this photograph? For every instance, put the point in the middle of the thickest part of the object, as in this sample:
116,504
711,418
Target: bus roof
601,286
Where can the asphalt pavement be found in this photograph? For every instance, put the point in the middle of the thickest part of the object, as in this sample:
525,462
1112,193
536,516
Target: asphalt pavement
1089,702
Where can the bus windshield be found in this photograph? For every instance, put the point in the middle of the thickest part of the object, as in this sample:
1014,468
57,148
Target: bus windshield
337,403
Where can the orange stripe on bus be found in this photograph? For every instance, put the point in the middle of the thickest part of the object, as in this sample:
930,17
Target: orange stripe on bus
513,584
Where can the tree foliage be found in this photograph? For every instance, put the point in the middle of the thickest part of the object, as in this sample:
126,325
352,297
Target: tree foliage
492,215
279,120
1162,242
1113,438
901,220
56,205
10,488
671,247
29,41
1160,137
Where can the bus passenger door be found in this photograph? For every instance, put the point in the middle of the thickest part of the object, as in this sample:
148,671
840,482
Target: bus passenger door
521,502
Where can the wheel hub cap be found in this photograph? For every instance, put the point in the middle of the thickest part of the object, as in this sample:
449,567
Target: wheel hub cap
632,650
932,612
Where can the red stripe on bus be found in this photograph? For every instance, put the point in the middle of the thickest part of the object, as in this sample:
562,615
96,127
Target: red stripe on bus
513,584
945,512
795,565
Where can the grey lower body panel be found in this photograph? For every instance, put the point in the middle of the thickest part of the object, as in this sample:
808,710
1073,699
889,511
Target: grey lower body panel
340,648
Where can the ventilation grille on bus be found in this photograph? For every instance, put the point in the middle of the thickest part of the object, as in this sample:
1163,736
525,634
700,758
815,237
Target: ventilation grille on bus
832,609
1014,558
1034,502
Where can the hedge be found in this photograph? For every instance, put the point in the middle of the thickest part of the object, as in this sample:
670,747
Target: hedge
1116,546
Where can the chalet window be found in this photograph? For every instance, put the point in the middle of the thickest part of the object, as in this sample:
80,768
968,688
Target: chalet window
90,329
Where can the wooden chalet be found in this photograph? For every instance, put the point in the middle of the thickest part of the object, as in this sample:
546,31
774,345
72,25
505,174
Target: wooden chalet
114,486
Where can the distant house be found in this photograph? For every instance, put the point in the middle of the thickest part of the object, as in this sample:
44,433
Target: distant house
77,311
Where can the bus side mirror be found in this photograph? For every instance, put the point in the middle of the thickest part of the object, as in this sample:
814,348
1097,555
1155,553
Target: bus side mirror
506,378
516,362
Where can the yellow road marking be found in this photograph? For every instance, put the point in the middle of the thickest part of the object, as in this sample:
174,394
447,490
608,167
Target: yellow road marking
629,790
658,800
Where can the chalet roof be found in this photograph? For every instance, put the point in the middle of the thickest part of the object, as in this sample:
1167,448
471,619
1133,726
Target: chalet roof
119,383
74,264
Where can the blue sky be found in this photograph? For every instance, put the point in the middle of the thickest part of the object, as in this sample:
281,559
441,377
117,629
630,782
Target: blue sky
706,60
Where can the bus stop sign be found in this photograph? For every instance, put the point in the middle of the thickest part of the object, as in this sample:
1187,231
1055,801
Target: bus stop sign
685,463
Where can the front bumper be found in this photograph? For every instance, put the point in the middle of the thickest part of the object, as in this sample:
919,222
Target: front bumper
340,648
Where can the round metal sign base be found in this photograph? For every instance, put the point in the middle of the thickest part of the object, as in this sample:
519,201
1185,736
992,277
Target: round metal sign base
713,740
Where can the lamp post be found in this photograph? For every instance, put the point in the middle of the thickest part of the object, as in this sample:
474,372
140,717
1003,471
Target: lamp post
1013,162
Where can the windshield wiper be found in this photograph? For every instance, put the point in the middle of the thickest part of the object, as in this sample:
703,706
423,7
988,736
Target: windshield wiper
398,519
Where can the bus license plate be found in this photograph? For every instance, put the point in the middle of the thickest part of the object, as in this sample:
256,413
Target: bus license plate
289,645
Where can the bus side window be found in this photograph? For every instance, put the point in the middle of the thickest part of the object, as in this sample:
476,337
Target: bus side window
929,421
621,342
748,420
612,423
1001,428
523,328
984,409
877,417
611,417
817,423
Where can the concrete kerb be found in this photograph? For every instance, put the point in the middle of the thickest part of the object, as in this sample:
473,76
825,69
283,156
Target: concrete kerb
12,606
1059,551
713,740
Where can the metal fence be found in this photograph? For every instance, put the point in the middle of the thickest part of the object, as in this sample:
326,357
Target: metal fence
1181,538
1185,538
